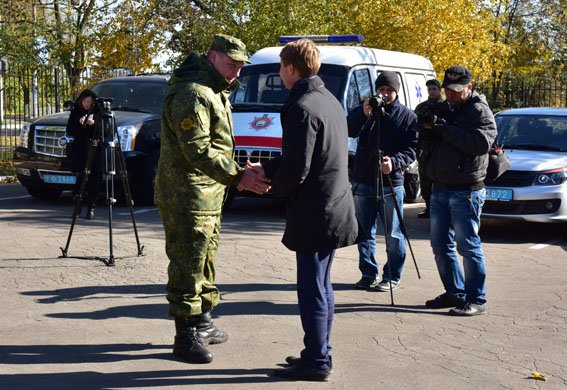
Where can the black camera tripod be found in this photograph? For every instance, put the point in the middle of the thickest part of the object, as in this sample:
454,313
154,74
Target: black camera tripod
107,140
372,125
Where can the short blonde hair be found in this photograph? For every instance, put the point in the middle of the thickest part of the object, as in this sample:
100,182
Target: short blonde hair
303,55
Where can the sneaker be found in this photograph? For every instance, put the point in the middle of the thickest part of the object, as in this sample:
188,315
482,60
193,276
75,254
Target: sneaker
365,284
468,309
385,285
443,301
424,214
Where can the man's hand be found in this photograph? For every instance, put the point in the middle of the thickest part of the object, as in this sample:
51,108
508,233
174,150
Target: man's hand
254,179
387,165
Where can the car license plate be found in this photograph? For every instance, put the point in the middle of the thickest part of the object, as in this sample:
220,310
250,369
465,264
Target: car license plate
499,194
59,179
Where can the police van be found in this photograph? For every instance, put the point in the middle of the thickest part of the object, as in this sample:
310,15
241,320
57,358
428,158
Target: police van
349,71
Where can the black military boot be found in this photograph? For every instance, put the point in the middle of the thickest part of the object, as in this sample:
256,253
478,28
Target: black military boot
208,332
188,345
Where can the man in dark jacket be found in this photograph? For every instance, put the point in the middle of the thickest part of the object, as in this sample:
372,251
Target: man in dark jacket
312,173
434,99
391,130
464,131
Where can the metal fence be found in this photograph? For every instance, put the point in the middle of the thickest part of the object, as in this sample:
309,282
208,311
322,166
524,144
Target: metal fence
515,92
27,92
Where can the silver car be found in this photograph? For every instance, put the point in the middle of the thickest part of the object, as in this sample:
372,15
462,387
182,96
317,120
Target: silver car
535,187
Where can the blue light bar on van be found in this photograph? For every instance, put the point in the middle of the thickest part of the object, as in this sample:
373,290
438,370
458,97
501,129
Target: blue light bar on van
349,38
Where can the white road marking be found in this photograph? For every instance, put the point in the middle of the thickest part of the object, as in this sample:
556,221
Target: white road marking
16,197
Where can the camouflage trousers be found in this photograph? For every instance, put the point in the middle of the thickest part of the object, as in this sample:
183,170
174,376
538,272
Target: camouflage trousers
191,243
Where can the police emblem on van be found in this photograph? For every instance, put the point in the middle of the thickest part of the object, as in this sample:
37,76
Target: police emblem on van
261,123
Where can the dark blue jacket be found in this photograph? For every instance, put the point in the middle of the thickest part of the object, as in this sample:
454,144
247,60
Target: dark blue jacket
312,172
398,140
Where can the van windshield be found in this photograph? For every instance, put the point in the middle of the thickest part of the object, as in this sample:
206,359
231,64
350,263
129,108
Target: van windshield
261,84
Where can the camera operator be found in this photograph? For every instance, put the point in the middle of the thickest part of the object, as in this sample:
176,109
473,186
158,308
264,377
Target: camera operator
462,131
424,144
81,126
395,125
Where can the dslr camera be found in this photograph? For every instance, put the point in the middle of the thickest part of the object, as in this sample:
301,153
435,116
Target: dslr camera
430,115
376,102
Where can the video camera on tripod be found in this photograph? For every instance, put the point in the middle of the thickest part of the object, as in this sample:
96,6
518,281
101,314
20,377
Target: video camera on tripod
106,140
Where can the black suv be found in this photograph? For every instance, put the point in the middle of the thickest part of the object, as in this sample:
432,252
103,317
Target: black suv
40,160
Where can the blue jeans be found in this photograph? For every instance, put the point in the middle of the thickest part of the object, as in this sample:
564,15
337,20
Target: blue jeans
316,301
369,214
455,222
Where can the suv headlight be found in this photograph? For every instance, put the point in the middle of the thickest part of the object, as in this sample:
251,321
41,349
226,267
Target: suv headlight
551,178
127,137
24,134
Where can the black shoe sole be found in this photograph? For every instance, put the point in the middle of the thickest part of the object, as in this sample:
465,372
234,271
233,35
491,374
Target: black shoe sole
311,378
186,359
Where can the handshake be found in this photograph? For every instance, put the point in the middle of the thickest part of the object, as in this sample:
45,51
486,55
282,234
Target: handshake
254,179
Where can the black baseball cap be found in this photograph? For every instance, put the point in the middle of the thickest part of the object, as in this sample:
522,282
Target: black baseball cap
456,78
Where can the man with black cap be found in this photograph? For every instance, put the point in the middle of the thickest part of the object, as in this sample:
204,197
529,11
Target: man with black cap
433,101
463,131
196,165
392,130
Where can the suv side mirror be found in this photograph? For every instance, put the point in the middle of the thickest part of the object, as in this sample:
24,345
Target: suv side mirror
68,105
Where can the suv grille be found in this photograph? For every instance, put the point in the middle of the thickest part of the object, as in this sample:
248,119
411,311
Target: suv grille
261,156
46,140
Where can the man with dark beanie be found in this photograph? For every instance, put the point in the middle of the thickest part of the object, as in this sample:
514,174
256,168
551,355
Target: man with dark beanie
394,133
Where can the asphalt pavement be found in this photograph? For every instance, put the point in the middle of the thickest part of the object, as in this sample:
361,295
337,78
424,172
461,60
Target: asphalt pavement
75,323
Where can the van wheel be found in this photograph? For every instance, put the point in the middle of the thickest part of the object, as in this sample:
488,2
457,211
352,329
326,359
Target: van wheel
43,193
143,192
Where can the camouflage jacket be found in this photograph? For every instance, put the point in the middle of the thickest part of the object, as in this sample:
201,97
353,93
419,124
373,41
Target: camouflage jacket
197,144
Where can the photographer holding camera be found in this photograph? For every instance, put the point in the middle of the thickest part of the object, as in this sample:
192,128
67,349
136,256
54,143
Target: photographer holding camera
390,127
462,132
424,143
81,126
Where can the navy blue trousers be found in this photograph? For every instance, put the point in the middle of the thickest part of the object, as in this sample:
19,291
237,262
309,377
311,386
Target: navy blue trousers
316,306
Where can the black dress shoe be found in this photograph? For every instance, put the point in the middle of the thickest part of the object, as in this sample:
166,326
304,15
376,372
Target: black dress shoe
300,373
424,214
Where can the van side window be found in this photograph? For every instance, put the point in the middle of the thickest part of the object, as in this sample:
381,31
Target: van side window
401,92
359,88
416,88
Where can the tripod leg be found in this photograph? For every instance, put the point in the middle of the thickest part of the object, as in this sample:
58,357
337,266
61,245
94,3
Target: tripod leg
403,228
77,199
126,187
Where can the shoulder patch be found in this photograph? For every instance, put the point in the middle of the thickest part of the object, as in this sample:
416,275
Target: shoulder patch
188,122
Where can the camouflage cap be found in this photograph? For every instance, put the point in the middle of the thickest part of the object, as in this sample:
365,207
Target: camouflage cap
231,46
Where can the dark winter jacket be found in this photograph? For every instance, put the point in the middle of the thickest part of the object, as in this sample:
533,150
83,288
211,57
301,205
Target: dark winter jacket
312,172
81,135
398,140
459,157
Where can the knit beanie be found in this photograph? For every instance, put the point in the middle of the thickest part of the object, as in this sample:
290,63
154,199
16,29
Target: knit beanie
388,79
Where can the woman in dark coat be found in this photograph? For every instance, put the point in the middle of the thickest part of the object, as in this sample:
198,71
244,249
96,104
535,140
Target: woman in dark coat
81,126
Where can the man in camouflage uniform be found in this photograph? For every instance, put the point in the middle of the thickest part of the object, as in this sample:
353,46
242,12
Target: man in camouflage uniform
195,167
